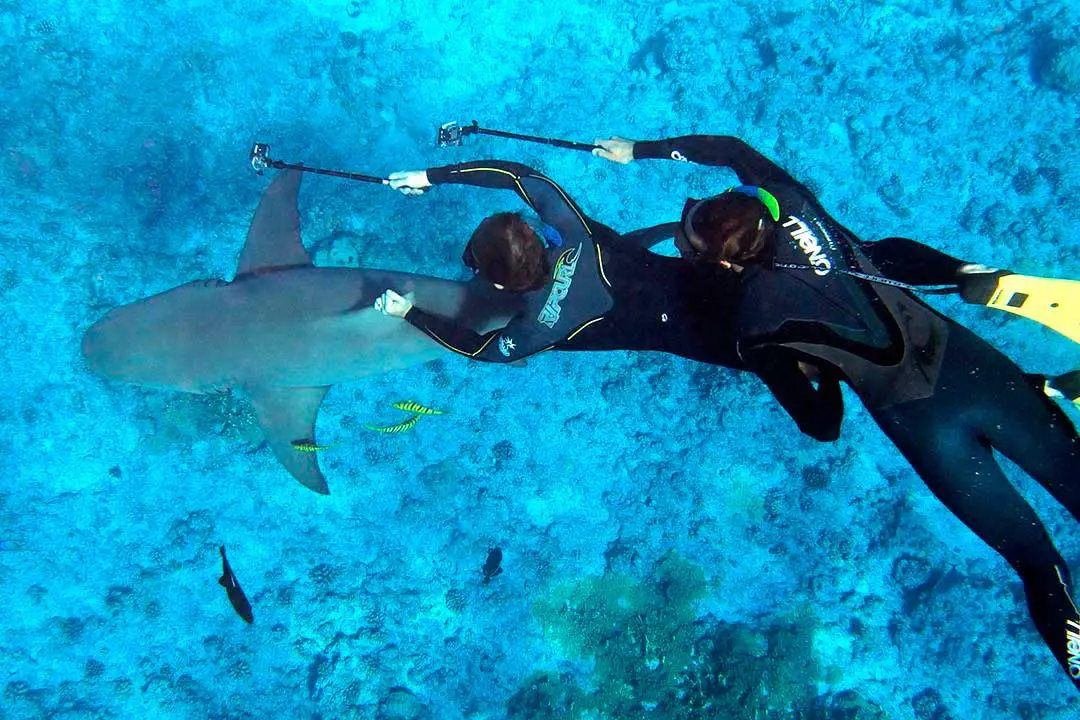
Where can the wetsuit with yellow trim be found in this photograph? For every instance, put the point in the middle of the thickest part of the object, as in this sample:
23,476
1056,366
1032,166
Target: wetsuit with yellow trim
945,397
603,294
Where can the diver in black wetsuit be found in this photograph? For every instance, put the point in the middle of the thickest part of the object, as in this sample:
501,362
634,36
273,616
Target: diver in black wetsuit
585,288
945,397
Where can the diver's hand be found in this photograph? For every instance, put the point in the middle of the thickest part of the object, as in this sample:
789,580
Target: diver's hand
392,304
410,182
615,149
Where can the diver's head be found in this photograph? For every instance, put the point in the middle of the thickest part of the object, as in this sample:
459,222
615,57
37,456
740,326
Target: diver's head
506,252
735,227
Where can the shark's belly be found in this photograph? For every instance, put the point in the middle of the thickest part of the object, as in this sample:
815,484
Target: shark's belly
298,333
304,327
327,350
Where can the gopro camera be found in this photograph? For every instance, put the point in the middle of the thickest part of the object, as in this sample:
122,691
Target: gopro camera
450,133
259,161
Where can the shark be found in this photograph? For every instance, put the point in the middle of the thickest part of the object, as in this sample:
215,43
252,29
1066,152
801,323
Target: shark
282,332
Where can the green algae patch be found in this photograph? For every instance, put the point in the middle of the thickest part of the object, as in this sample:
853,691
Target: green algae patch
746,673
183,419
640,634
654,658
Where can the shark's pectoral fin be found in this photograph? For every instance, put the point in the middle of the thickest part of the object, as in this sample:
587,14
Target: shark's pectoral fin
287,415
273,240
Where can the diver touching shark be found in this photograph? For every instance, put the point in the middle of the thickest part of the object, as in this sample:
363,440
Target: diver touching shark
805,312
282,332
586,287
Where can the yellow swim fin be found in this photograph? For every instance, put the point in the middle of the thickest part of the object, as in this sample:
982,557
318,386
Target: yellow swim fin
1051,301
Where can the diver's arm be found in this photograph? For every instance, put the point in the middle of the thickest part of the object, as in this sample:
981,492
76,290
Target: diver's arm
497,174
450,334
541,193
650,237
503,345
446,332
752,167
817,411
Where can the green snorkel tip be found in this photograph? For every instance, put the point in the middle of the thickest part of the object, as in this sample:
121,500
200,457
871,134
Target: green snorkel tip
763,195
770,202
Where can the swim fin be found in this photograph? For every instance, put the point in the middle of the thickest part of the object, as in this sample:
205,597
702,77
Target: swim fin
1051,301
1066,385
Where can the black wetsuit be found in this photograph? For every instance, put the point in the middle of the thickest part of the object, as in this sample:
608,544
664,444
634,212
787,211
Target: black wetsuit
945,397
604,294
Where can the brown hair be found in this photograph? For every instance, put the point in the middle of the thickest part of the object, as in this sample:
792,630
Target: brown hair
505,250
735,227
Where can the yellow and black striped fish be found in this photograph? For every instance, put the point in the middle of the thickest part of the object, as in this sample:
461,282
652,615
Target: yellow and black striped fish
309,446
400,427
415,407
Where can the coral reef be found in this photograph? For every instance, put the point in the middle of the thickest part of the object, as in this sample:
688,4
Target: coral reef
654,658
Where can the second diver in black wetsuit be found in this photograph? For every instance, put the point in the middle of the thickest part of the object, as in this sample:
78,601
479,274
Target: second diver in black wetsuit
585,289
944,396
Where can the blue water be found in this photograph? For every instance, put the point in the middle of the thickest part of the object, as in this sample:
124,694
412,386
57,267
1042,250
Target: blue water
673,548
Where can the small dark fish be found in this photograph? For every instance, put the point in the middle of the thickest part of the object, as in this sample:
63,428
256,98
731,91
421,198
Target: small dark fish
493,566
232,589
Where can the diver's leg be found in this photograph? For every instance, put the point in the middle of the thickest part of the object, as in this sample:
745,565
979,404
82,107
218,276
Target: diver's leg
1043,442
1011,412
911,262
959,468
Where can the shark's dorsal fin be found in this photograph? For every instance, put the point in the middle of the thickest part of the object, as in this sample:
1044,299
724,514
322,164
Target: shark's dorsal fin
273,240
287,415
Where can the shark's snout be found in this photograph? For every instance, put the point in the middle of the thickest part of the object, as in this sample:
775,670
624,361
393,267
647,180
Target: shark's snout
99,348
119,347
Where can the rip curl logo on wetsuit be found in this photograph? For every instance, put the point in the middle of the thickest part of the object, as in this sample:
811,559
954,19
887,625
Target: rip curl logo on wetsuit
506,344
1072,647
564,277
809,243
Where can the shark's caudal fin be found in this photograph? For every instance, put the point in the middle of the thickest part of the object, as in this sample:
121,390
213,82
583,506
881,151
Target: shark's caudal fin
287,415
273,240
